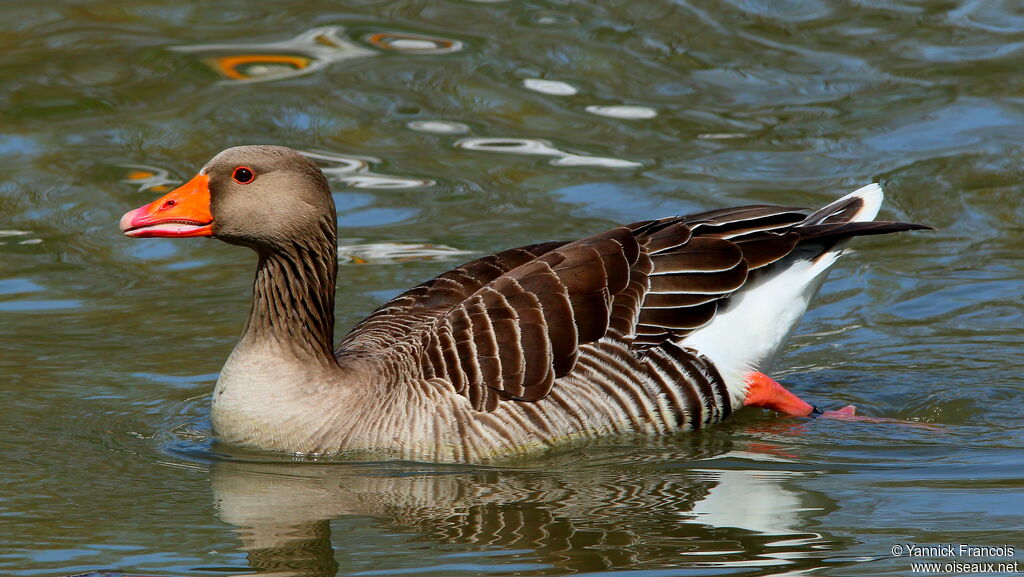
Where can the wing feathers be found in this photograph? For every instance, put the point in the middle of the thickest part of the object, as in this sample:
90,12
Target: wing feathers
700,282
675,300
542,283
508,325
678,319
507,338
848,229
765,249
699,255
670,236
535,348
627,303
521,331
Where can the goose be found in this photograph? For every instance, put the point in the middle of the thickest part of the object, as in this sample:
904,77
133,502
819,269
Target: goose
654,327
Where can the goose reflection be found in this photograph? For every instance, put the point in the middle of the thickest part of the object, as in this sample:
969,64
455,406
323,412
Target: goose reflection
562,519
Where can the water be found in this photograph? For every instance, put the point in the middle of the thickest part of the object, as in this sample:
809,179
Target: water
462,127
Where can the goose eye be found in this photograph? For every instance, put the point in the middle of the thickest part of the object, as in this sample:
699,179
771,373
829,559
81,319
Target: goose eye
243,175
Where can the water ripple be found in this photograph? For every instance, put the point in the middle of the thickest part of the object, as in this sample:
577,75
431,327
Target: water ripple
412,43
438,127
539,147
259,62
394,252
552,87
12,237
149,178
309,52
355,171
756,101
624,112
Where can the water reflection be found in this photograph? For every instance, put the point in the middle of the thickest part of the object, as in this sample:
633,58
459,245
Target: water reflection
602,161
149,178
309,52
760,501
538,147
754,106
548,18
623,111
355,171
722,135
558,520
412,43
438,126
304,54
17,237
394,252
552,87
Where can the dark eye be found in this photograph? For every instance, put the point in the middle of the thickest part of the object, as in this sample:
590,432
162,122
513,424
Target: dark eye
243,175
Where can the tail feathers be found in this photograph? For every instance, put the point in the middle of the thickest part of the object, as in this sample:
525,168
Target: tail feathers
750,327
861,205
839,231
826,230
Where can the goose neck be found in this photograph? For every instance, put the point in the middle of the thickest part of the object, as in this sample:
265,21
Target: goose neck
293,300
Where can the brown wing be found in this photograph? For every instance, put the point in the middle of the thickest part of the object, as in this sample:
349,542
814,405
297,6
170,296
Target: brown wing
514,336
507,326
645,284
697,261
406,313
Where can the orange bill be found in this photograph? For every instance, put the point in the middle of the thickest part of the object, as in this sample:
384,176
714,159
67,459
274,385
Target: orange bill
183,212
764,391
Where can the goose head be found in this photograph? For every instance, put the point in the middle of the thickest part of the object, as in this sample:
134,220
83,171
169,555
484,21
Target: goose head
258,196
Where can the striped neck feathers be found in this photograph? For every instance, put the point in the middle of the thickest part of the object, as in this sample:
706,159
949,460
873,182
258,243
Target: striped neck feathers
293,298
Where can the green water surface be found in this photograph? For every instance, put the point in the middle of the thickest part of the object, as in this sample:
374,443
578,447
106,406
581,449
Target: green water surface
110,346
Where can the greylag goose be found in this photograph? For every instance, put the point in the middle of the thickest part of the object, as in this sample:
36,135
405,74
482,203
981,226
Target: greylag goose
658,326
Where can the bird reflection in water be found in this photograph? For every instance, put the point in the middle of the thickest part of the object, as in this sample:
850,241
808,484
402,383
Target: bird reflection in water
539,147
555,517
309,52
149,178
355,171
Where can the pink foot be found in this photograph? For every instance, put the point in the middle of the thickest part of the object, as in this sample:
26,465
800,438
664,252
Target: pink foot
849,413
